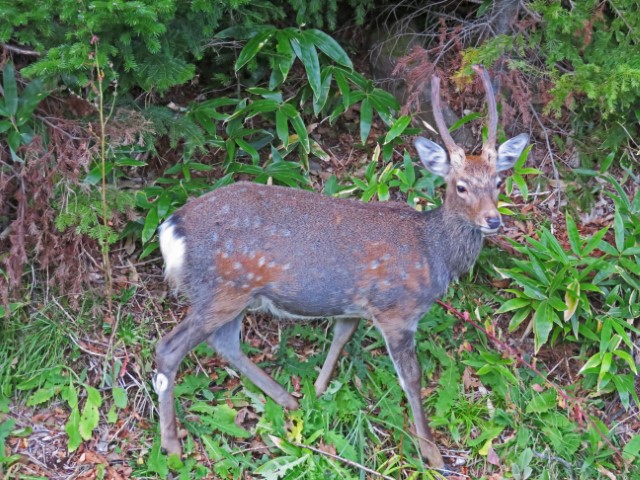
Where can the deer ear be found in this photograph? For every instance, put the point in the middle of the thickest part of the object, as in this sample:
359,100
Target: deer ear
510,151
432,156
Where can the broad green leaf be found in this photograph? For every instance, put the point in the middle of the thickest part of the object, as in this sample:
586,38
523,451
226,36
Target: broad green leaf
594,361
556,249
309,57
513,304
112,414
618,228
253,47
278,467
72,427
466,119
398,128
119,397
157,461
541,403
605,365
409,169
383,192
149,249
163,204
249,149
572,233
282,128
630,265
150,224
572,299
41,395
522,185
220,417
519,317
343,86
594,241
90,415
627,358
88,421
542,324
320,100
239,32
632,449
10,89
71,396
31,97
287,55
301,130
329,46
606,163
366,117
265,105
14,140
129,162
95,174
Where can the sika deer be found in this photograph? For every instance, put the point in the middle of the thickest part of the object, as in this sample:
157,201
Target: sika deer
303,255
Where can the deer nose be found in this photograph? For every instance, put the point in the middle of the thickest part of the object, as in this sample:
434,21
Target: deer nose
493,222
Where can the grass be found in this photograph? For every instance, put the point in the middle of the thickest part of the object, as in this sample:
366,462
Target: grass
489,412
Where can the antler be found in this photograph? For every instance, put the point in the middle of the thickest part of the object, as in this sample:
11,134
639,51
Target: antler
489,148
456,153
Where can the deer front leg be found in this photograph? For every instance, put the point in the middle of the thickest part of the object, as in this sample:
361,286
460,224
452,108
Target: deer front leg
401,346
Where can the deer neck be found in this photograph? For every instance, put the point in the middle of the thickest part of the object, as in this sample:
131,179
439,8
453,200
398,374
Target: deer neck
456,240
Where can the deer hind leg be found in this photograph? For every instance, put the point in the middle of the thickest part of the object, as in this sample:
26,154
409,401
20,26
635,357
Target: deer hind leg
170,352
226,342
342,333
401,346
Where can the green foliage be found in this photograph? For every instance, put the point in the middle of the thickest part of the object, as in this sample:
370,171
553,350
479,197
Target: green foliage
588,50
84,212
278,148
584,297
16,110
151,45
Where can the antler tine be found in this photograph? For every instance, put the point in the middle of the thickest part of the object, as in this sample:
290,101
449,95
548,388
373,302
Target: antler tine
455,152
492,127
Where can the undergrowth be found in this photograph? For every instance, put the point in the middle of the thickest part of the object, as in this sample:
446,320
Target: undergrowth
517,385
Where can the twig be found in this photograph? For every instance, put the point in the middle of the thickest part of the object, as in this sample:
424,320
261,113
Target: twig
344,460
556,175
20,50
518,356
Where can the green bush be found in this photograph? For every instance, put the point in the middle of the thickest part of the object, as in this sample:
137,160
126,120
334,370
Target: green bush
589,52
153,45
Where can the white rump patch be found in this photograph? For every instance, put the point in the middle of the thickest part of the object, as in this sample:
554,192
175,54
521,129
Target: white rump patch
173,250
160,383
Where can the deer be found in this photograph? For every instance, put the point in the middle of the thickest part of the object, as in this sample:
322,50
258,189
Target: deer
298,254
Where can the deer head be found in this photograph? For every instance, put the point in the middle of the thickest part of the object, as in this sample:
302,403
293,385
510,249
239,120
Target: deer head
473,181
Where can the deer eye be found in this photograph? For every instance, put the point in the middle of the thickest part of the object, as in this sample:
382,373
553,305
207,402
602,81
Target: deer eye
461,188
499,183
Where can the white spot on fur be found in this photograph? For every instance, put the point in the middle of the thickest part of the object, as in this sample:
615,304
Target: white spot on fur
261,261
237,265
160,383
173,250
